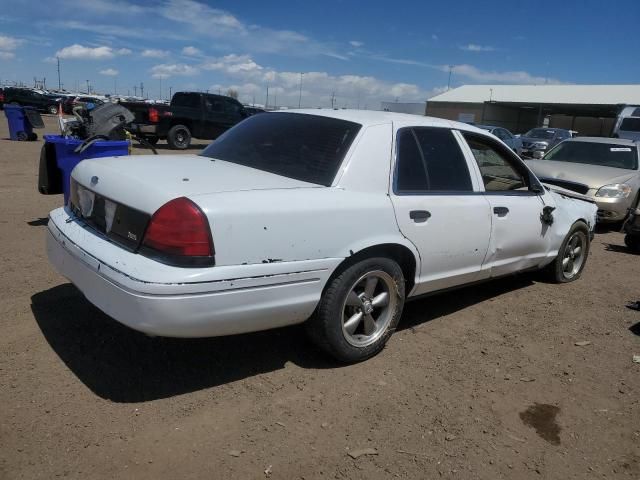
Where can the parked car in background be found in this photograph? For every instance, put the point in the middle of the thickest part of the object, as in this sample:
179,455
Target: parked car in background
628,124
253,110
31,98
513,142
330,217
537,141
604,169
70,102
190,114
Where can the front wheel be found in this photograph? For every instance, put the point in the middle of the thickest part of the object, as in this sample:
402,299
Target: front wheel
572,255
52,109
179,137
359,310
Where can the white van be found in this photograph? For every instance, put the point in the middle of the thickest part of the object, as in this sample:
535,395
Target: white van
628,124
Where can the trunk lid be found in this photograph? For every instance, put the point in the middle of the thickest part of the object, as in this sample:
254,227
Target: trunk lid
146,182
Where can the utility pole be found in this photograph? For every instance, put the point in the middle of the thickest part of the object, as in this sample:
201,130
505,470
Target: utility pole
115,85
300,94
160,88
59,82
142,89
135,90
275,100
88,91
449,82
170,94
266,104
333,98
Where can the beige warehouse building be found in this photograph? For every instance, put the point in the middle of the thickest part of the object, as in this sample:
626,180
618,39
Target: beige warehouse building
587,109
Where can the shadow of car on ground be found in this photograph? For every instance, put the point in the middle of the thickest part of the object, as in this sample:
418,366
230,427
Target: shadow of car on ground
122,365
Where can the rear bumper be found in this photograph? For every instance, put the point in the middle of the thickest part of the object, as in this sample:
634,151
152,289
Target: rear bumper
242,302
143,128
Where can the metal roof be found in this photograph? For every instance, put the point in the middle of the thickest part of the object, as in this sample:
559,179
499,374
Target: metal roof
545,94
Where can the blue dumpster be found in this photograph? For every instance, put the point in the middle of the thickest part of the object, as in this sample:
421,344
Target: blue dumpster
21,122
58,159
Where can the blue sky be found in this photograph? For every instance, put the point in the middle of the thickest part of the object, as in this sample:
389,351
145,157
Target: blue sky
363,52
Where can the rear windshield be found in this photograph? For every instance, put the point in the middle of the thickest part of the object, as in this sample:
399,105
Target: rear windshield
630,124
305,147
605,154
540,133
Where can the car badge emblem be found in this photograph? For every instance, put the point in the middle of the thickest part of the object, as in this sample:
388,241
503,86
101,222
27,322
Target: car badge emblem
94,180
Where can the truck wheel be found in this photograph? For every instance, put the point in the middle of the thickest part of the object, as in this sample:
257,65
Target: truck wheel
152,140
572,255
22,136
179,137
359,310
52,109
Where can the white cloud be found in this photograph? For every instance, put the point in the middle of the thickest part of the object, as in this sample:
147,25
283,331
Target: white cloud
473,47
165,70
80,52
519,77
154,53
111,72
356,43
6,55
9,43
191,51
434,36
251,80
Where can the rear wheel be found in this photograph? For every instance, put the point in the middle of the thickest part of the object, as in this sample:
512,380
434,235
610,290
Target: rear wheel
179,137
632,242
572,255
359,310
22,136
52,109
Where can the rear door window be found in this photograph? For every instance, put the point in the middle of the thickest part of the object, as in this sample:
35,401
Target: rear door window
429,160
191,100
630,124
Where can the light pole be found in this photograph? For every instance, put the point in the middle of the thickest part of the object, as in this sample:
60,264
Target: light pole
300,94
88,91
449,82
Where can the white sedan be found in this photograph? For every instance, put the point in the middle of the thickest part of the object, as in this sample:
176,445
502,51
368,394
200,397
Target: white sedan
334,218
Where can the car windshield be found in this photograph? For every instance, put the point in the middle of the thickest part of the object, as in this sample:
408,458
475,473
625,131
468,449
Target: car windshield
305,147
540,133
605,154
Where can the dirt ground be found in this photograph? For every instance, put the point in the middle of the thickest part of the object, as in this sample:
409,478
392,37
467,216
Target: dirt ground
483,383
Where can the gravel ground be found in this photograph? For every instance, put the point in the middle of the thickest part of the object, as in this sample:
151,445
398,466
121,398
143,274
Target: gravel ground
486,382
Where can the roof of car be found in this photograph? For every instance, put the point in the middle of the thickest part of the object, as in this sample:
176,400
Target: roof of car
374,117
614,141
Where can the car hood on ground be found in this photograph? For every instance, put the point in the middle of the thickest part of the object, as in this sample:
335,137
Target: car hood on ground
146,182
594,176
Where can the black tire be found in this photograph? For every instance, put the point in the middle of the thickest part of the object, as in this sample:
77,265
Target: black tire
326,327
152,140
632,242
557,270
52,109
22,136
33,136
179,137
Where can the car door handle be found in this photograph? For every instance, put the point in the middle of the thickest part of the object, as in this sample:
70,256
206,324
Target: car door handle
419,216
501,211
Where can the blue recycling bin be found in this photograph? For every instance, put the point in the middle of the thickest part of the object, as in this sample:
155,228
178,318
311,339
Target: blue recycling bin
63,149
20,127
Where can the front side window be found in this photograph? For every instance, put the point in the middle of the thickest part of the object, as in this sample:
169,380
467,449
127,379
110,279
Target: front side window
497,169
630,124
430,160
309,148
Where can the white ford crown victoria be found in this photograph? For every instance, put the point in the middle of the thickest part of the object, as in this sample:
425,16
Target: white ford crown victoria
330,217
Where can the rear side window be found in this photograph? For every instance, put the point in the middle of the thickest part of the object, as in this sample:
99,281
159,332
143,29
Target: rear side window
305,147
430,160
186,100
630,124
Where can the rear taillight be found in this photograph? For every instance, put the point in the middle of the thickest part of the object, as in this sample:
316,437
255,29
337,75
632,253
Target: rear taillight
179,234
153,115
1,97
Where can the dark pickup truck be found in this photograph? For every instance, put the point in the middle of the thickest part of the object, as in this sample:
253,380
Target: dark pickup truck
190,114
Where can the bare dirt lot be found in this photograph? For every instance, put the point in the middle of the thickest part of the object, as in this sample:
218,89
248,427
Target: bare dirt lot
486,382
